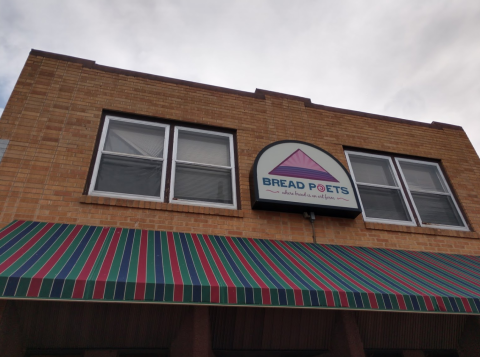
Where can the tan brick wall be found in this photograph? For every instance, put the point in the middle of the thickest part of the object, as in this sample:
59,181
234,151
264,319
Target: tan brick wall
52,120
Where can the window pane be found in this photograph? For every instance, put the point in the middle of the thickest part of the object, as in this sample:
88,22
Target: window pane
128,175
436,209
203,148
383,203
422,177
372,170
135,139
203,184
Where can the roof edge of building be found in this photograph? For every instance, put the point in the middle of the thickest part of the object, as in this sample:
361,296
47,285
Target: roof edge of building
258,94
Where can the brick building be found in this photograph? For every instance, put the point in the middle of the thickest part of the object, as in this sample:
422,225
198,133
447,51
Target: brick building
102,168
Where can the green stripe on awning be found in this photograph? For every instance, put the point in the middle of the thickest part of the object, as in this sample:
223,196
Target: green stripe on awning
78,262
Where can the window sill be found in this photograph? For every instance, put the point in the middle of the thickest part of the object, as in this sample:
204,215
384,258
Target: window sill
422,230
161,206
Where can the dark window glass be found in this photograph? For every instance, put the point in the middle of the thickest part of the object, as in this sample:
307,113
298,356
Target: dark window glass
383,203
129,175
203,184
436,209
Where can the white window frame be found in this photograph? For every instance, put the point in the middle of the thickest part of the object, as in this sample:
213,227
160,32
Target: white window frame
231,167
447,193
101,151
398,187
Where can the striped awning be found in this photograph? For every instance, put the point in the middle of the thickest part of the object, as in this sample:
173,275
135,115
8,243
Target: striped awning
75,262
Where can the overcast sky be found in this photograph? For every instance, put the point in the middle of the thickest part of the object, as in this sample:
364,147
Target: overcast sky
412,59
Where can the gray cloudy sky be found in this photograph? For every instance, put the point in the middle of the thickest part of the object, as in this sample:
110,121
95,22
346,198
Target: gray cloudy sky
411,59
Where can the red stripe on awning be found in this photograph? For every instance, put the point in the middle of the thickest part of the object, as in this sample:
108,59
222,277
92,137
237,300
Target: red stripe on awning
214,286
101,281
231,289
142,268
87,268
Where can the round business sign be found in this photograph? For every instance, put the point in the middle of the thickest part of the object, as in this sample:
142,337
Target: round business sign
294,176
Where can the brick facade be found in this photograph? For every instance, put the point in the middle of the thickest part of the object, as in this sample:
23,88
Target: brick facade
52,121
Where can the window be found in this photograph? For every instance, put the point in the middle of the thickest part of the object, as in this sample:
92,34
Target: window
202,167
3,147
131,159
404,191
133,162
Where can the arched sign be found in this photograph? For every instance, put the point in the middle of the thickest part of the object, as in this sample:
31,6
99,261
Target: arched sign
293,176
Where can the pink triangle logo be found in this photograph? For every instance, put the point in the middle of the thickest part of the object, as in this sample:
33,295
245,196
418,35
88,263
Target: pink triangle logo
300,165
